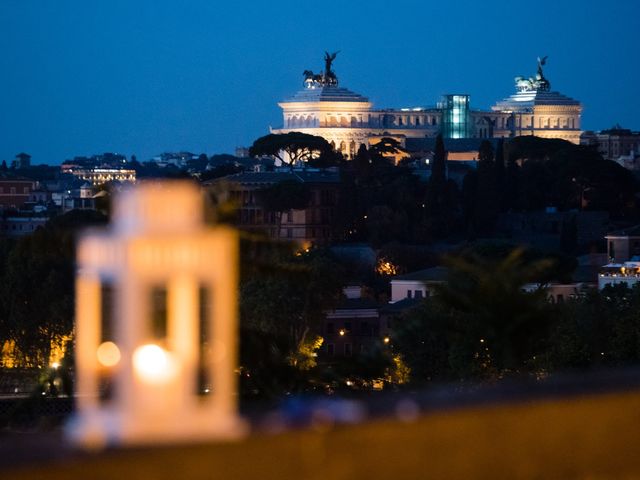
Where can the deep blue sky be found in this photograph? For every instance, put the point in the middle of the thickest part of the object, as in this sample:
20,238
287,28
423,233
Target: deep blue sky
141,77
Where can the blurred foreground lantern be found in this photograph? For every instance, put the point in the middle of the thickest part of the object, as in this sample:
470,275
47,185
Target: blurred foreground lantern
156,323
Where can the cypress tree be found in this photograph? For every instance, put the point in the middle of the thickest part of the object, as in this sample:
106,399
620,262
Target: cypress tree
500,176
362,163
487,204
569,235
437,208
439,167
511,181
469,195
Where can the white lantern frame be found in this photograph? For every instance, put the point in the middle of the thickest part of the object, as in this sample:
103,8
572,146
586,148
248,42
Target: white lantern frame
134,256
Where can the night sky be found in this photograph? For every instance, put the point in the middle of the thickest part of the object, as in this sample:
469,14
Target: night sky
141,77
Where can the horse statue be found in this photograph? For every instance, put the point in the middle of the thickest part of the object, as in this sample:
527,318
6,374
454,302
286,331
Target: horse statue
533,84
312,79
328,77
524,84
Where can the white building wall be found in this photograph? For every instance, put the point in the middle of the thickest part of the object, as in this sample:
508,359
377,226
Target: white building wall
401,289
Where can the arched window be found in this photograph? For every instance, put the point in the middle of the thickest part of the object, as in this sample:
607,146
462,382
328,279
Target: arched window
352,149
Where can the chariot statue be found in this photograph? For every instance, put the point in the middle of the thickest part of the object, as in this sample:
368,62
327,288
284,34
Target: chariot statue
531,84
326,78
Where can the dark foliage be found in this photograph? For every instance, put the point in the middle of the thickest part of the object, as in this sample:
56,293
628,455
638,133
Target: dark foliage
290,148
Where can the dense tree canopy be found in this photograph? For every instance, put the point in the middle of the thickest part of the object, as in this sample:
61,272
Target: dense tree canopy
284,298
291,148
558,173
38,278
482,323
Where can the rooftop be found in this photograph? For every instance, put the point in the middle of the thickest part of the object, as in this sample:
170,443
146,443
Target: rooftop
617,129
326,93
526,100
633,231
434,274
277,177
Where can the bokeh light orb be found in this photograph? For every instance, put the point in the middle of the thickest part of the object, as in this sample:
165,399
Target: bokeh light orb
108,354
153,364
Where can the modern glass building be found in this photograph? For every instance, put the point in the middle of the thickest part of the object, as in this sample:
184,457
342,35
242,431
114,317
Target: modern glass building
456,116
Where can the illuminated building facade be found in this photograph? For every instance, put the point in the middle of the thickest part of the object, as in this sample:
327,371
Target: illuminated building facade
353,328
623,251
537,110
99,176
627,273
347,119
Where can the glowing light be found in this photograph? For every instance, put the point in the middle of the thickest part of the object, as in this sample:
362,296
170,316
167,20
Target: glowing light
55,365
108,354
342,332
385,267
386,340
153,364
